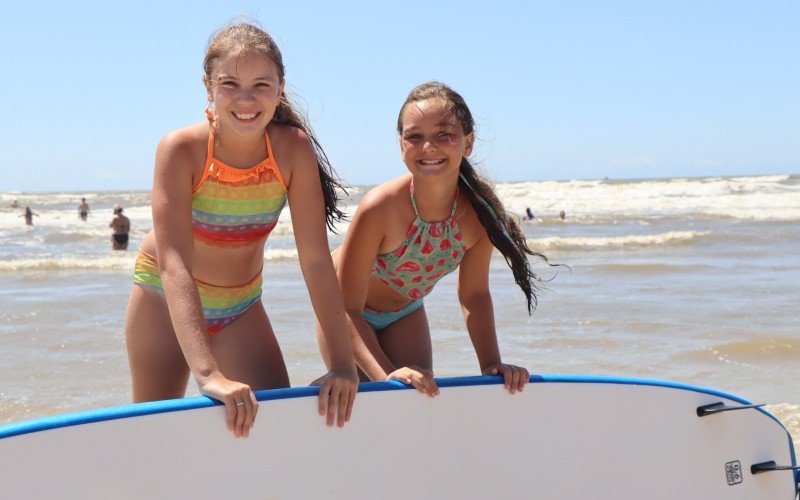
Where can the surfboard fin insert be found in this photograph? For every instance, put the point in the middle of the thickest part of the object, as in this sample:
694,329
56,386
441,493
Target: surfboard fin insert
720,407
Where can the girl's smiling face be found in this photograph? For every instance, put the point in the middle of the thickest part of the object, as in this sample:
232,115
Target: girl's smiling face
245,90
432,140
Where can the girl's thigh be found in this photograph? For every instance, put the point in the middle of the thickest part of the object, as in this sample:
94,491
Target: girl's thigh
407,341
248,352
158,367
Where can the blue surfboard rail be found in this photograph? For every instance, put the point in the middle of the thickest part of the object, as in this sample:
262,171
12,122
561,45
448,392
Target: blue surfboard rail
173,405
176,405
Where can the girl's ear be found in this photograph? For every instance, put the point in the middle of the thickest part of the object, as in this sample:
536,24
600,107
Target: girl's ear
209,97
470,140
209,94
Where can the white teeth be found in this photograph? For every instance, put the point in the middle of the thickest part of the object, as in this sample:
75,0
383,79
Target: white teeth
245,116
431,162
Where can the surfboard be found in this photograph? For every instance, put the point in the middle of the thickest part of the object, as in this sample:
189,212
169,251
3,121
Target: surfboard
562,437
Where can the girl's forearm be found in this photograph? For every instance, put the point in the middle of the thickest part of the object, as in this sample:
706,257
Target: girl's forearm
326,300
479,318
368,353
186,313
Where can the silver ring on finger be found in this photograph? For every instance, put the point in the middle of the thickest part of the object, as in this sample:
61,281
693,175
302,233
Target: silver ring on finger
240,403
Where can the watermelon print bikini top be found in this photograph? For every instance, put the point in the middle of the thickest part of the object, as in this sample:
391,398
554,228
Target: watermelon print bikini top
235,207
429,251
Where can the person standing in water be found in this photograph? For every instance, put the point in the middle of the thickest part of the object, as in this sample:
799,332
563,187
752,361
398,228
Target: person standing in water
83,209
410,232
218,189
528,214
29,216
121,226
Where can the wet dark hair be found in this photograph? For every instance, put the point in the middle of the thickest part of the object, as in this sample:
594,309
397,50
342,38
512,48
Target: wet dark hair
503,230
246,36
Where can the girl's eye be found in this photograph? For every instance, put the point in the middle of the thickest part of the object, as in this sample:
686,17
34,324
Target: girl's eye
412,137
228,84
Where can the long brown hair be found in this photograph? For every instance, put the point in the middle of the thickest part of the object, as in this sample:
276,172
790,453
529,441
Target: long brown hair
503,230
245,36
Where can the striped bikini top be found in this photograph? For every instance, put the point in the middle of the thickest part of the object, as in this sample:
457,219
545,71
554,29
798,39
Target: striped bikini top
237,206
430,251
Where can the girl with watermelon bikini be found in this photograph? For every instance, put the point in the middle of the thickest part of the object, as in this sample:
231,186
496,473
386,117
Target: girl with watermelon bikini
411,231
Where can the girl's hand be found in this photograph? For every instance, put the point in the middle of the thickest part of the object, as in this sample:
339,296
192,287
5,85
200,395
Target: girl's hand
420,378
240,403
515,376
337,393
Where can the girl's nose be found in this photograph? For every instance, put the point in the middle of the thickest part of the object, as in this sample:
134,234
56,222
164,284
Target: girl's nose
245,96
429,143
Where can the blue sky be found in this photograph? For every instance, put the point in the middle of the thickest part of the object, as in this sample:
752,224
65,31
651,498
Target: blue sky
561,90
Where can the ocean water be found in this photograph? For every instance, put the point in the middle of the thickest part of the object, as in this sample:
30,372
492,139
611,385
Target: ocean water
690,280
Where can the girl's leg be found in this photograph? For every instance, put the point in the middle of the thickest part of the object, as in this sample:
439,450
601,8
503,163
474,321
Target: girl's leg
407,341
248,352
158,367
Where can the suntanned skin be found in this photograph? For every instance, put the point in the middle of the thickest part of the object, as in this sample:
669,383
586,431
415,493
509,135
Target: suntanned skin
402,351
167,340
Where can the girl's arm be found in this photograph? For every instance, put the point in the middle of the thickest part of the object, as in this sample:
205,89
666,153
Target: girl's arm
476,305
361,246
172,223
338,388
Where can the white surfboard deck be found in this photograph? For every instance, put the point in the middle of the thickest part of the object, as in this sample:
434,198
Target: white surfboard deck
564,437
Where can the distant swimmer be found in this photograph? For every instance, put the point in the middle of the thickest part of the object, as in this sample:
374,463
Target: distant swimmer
561,215
29,216
15,204
528,214
121,226
83,209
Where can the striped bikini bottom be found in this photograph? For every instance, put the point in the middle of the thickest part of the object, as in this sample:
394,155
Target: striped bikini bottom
221,304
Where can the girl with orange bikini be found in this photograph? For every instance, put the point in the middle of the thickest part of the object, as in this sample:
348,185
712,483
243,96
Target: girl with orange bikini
410,232
218,189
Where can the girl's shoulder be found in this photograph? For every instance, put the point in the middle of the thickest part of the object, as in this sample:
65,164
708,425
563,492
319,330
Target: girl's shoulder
292,149
289,142
281,134
388,197
468,221
385,210
188,143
